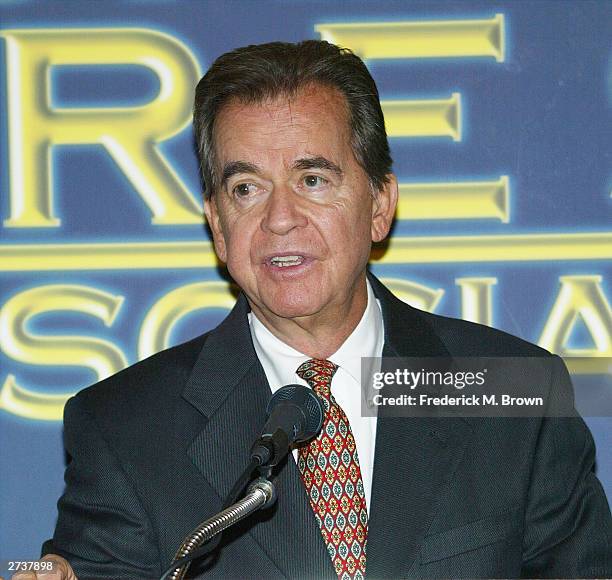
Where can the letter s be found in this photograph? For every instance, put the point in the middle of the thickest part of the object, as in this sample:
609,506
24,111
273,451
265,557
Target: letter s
101,356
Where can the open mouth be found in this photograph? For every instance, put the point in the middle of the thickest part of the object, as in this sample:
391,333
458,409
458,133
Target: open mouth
286,261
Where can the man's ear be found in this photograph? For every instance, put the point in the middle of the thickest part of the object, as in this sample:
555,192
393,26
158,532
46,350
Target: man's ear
212,217
383,208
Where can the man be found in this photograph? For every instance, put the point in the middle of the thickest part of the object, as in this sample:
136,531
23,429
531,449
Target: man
298,181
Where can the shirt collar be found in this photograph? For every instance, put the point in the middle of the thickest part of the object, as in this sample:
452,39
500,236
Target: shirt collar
363,341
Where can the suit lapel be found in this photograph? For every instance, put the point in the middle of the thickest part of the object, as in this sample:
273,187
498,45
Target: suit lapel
229,387
415,457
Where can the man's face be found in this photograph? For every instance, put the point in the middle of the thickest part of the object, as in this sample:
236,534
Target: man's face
295,215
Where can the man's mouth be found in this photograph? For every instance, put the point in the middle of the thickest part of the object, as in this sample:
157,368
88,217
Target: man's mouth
286,261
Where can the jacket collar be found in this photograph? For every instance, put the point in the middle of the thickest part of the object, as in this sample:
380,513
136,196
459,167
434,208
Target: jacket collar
227,356
408,332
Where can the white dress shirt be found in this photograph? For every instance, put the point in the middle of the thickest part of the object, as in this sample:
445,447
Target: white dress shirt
280,361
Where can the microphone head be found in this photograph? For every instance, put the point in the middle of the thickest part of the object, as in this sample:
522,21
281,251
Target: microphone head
308,403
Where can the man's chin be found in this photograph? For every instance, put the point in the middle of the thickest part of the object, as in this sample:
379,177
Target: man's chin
291,307
290,312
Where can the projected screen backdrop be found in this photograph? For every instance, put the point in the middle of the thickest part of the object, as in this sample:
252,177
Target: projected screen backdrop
498,115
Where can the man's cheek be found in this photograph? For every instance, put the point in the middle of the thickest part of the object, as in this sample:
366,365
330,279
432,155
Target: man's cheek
238,260
220,246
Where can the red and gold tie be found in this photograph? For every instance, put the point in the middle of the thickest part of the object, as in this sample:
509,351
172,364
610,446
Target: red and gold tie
329,467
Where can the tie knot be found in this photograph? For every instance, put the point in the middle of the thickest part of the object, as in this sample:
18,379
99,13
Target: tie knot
318,374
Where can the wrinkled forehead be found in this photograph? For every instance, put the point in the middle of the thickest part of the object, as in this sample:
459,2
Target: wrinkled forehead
315,114
327,95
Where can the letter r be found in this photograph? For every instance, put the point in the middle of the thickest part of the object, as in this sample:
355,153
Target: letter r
129,134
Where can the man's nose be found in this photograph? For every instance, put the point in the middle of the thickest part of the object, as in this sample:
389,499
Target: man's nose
283,211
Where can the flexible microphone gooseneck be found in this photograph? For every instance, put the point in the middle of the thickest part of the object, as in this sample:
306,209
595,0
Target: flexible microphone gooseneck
295,414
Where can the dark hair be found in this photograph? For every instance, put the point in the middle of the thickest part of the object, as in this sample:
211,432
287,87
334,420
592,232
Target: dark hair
255,73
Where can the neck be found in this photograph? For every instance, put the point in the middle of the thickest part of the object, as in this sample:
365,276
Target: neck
319,335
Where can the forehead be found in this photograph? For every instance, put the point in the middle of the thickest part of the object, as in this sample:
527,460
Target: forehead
312,122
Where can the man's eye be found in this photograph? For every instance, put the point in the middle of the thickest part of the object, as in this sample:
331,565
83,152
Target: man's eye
314,181
244,189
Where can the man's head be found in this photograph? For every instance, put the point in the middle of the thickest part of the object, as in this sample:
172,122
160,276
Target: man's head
293,210
256,73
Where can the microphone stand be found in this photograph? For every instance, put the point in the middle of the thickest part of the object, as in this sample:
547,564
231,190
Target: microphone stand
261,493
295,414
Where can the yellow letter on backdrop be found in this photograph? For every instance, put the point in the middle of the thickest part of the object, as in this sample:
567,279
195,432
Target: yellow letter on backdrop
168,310
129,134
580,297
19,343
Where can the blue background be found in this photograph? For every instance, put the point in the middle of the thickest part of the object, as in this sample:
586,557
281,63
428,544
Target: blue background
541,117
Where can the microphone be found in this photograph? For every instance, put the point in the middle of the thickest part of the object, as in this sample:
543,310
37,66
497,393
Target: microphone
295,414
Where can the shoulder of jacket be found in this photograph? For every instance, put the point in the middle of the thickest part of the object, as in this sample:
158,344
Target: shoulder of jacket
159,376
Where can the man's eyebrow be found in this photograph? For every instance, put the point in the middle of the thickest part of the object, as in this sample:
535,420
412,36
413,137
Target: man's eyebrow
233,167
318,163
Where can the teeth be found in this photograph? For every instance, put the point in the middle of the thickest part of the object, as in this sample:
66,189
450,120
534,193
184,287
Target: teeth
283,261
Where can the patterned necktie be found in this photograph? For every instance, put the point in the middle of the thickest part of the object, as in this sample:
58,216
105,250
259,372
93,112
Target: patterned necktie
329,467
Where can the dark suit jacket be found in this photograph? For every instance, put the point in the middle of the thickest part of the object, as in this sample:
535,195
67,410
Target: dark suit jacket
155,448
